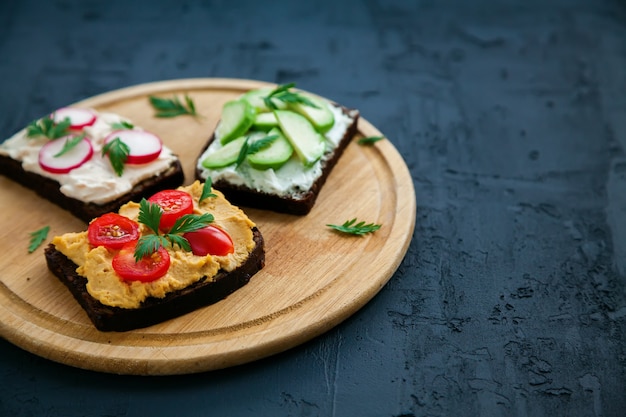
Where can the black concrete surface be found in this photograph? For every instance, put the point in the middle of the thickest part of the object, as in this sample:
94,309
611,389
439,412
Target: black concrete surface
511,116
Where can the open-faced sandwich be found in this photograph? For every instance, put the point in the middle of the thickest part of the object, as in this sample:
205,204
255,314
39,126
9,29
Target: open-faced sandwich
274,148
89,162
157,259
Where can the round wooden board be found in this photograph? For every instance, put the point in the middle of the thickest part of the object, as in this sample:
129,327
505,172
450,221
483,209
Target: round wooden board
313,279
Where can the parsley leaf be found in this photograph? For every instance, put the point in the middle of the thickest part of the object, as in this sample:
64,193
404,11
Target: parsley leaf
254,147
370,140
118,154
123,125
207,190
37,238
48,128
350,227
70,143
283,94
191,222
147,245
173,107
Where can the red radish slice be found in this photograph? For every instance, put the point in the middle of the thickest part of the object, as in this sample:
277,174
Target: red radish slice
144,146
79,118
70,160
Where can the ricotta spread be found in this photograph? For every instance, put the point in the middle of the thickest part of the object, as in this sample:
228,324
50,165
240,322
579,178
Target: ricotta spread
94,181
292,179
104,284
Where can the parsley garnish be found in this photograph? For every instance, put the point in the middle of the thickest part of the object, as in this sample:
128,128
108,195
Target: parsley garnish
369,140
118,154
173,107
355,229
48,128
251,148
123,125
283,94
69,144
37,238
207,190
150,215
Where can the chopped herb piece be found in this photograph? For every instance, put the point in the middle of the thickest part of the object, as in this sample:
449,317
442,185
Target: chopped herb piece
254,147
350,227
123,125
48,128
69,144
172,107
207,190
369,140
283,94
118,154
37,238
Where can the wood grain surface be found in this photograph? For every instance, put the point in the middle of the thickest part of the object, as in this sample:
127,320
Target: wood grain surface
313,279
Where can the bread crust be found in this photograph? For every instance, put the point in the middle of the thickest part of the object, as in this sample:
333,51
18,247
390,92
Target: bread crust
297,205
51,189
155,310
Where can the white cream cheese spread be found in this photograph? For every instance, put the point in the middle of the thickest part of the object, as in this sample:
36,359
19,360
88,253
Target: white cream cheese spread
291,179
95,181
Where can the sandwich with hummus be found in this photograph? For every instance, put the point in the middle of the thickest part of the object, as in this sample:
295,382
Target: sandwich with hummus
89,162
170,254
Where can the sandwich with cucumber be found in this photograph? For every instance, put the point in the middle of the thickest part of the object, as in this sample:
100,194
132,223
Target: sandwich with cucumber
274,148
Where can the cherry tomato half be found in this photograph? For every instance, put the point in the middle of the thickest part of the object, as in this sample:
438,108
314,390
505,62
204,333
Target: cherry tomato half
210,240
149,268
112,231
175,203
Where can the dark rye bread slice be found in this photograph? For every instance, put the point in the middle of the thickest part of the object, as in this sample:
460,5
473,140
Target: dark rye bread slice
155,310
300,204
51,189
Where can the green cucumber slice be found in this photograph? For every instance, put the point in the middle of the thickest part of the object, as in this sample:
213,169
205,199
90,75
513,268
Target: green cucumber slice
321,117
237,117
265,121
306,141
275,155
224,156
255,98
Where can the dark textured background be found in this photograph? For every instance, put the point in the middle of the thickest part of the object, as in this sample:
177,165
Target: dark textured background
511,116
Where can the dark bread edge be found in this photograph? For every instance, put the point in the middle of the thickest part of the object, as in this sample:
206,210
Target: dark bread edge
51,189
302,205
155,310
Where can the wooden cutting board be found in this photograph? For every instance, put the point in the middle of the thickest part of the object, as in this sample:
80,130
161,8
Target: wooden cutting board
313,279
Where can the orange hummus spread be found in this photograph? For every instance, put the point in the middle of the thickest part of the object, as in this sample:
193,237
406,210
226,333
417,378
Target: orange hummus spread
105,285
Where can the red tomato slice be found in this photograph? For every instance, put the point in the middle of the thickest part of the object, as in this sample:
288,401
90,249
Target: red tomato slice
210,240
112,231
149,268
175,203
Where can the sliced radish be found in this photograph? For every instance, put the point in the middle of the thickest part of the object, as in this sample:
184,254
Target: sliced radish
79,118
70,160
144,146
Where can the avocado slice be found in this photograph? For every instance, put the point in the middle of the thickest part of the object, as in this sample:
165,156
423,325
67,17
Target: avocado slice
226,155
306,141
275,155
237,117
321,116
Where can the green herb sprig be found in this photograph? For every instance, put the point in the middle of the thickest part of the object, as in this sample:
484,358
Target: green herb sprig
69,144
37,238
150,215
370,140
123,125
47,127
118,153
360,228
173,107
249,148
283,93
207,190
